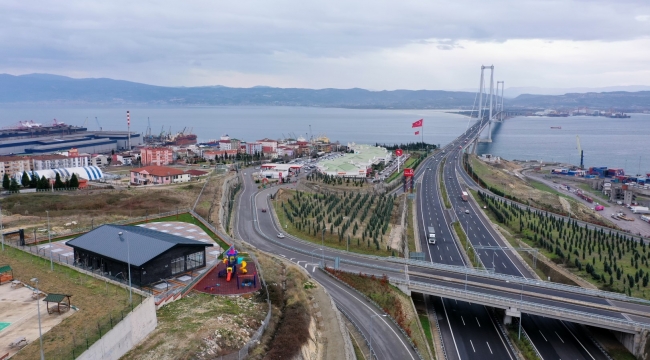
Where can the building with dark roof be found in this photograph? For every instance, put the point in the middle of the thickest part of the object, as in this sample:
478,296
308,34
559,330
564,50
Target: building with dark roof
153,255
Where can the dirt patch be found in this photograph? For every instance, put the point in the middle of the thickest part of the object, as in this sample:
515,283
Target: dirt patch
202,326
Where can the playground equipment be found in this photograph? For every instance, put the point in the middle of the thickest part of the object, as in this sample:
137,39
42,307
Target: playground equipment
232,260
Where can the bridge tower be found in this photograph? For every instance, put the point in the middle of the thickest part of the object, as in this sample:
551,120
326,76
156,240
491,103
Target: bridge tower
490,99
499,105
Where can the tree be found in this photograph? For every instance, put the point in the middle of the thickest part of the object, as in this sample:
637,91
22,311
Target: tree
33,181
74,181
13,185
58,184
5,182
24,181
43,183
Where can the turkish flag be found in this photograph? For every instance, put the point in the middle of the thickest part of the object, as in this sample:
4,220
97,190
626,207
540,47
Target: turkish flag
417,133
418,123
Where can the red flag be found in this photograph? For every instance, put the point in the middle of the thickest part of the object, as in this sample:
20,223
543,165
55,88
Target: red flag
417,133
418,123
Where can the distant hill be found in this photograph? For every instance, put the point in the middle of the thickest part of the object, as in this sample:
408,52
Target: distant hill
45,88
55,89
618,100
513,92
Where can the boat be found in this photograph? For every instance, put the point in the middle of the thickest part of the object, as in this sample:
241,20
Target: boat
182,139
556,127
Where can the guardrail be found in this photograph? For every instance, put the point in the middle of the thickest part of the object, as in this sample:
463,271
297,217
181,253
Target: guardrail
524,306
372,352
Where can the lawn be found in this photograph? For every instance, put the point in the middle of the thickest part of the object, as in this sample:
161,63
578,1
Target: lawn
608,260
410,231
99,302
443,189
354,221
468,249
426,326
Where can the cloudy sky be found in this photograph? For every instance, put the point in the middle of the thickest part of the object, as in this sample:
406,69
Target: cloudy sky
373,44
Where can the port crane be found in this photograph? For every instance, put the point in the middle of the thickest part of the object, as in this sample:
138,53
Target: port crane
581,153
98,125
148,129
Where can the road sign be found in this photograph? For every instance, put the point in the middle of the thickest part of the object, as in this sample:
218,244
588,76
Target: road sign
398,152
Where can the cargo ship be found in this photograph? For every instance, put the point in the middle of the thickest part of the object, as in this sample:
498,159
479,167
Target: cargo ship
556,127
182,139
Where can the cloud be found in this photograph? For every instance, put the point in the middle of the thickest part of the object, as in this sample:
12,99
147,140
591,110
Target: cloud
298,42
642,18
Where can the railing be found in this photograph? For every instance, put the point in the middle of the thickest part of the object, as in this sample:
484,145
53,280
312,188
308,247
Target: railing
524,306
372,352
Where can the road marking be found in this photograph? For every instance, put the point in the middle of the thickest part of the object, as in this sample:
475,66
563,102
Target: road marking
471,343
483,236
495,253
571,332
447,247
558,336
441,258
298,262
448,323
450,258
504,265
291,259
479,324
540,332
461,317
488,344
283,256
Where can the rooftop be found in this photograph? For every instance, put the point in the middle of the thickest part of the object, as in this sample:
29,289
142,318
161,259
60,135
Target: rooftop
144,244
158,170
364,155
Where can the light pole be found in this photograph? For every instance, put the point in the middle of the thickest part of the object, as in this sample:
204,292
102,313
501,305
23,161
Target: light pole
128,263
38,306
322,238
312,256
49,239
372,331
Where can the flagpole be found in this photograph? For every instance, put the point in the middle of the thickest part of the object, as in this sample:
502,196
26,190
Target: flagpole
422,133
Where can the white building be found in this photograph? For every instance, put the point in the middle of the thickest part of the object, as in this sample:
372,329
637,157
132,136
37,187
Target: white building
44,162
87,172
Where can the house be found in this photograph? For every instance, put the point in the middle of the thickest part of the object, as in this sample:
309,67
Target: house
56,161
253,148
160,156
158,175
98,160
152,255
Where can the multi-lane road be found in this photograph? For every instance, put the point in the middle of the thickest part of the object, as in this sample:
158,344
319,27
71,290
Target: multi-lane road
469,331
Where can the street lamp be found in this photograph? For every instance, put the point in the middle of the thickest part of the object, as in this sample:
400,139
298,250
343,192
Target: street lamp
49,239
322,253
38,306
128,263
372,331
322,239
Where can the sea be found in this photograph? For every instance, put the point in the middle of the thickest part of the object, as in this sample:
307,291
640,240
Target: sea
615,143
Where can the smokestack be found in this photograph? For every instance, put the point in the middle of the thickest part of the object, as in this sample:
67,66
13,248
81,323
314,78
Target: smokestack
128,128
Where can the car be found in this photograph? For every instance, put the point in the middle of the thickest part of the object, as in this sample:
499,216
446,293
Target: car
466,211
450,177
280,235
263,210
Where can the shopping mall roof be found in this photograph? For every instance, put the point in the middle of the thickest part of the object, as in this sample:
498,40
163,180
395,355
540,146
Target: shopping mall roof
364,156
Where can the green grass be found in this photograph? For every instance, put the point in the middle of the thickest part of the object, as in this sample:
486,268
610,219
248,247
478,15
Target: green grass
524,346
410,230
443,189
426,326
357,351
586,188
328,239
543,187
463,240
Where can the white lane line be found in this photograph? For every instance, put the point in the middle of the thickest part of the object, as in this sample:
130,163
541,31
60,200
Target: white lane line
571,332
483,236
495,253
450,258
558,336
450,329
447,248
461,317
283,256
504,265
471,343
540,332
488,344
479,324
384,321
441,258
291,259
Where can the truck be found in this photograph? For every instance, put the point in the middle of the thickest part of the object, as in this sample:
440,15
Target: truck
645,218
432,235
464,195
640,210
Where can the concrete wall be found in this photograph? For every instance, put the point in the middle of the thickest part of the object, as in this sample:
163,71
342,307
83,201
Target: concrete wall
125,335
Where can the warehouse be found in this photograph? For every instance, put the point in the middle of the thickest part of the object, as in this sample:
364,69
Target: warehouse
153,255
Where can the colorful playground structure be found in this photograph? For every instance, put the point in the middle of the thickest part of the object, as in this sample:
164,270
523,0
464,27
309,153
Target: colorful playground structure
233,275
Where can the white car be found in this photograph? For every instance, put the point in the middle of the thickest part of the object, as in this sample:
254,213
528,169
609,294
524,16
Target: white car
280,235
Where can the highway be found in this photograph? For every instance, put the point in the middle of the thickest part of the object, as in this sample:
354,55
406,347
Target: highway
561,341
462,339
257,228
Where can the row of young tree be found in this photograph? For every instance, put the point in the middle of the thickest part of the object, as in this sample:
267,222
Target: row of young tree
34,182
409,146
617,261
351,216
335,180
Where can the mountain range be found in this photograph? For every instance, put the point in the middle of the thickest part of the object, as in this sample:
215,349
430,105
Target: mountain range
55,89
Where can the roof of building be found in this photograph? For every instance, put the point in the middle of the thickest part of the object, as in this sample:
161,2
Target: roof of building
49,157
364,156
144,244
14,158
267,140
196,172
158,170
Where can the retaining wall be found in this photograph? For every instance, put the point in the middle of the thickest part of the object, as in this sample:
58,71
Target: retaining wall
125,335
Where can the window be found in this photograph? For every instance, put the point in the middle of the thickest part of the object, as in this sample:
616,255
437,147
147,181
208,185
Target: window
195,260
178,265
